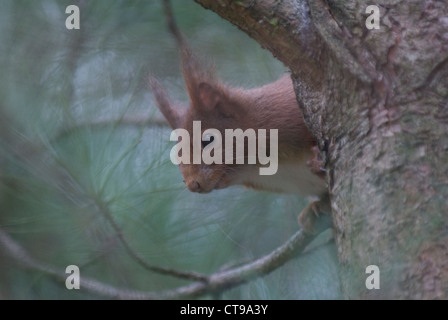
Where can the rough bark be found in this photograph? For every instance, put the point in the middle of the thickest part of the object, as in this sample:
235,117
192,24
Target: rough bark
377,101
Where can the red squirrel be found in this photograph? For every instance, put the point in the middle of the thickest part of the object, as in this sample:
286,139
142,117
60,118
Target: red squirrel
273,106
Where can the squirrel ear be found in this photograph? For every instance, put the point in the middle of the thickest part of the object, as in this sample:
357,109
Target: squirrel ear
209,96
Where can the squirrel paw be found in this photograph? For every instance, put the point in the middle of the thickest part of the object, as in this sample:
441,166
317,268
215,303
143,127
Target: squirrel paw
316,163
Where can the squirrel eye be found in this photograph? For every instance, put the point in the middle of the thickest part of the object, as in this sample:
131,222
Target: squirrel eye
208,139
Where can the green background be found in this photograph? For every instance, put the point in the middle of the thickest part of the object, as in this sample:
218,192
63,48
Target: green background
65,157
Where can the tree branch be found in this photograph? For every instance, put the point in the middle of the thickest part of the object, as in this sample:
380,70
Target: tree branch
284,28
137,257
356,59
215,283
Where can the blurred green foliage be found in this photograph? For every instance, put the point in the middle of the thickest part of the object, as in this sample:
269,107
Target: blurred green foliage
57,170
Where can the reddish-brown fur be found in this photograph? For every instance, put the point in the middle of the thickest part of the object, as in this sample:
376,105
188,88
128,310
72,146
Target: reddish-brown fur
272,106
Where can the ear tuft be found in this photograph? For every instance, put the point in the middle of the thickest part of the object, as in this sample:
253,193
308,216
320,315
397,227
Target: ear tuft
173,115
208,95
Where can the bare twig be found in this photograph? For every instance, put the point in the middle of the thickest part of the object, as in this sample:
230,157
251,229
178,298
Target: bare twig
137,257
131,121
104,210
20,255
27,148
171,22
215,283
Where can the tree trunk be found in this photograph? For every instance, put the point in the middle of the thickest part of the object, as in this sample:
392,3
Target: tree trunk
377,102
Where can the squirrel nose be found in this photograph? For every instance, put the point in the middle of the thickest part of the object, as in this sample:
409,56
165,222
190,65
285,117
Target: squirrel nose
194,186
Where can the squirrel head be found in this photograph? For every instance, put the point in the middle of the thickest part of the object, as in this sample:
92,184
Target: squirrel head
216,107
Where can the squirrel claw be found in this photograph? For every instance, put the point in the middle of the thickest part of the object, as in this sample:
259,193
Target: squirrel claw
316,164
